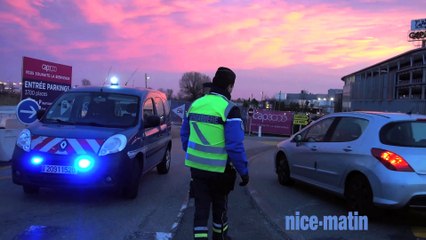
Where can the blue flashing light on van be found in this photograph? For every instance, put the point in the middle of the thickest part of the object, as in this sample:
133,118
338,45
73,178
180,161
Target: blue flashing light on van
95,137
36,160
84,163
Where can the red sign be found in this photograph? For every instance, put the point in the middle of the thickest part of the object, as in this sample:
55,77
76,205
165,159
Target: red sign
273,122
44,81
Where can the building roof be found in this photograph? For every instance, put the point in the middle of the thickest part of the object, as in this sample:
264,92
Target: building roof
386,61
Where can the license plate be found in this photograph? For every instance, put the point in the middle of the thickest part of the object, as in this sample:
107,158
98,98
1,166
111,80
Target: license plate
58,169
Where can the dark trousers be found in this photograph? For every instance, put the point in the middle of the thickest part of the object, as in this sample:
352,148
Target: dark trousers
211,190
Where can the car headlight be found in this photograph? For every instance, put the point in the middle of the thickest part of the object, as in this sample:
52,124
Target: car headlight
113,144
24,140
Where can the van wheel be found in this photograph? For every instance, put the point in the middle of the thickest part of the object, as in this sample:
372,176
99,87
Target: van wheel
164,166
359,195
28,189
283,171
130,191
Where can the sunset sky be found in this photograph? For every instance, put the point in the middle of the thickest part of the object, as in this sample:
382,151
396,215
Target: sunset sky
272,46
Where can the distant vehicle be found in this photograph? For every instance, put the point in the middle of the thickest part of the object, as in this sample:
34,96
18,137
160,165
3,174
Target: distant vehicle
96,137
370,158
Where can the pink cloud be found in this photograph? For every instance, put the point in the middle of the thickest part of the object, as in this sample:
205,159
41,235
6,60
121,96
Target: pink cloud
266,34
26,15
179,36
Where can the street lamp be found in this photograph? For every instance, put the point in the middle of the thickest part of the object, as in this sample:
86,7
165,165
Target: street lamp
146,80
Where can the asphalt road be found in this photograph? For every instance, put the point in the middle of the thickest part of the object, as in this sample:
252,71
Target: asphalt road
73,214
161,211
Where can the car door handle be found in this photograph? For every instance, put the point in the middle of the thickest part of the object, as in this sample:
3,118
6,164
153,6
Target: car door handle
314,148
347,149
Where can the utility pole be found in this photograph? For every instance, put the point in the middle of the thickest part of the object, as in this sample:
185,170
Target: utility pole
279,102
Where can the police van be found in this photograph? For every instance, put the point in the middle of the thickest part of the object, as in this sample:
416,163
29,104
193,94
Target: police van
95,137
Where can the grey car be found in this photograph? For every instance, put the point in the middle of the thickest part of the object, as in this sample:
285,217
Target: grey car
369,158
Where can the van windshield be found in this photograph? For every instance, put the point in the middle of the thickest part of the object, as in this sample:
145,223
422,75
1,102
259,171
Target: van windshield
100,109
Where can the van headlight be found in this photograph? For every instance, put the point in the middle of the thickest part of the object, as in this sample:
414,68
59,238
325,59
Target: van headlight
24,140
113,144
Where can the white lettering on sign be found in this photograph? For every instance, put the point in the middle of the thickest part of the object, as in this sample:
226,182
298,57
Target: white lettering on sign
62,77
56,87
49,68
41,74
35,85
270,117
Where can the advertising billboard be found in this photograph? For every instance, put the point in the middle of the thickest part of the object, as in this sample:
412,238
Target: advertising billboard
418,30
44,81
418,24
272,122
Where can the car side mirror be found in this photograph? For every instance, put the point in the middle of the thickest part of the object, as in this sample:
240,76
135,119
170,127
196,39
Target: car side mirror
151,121
40,113
298,139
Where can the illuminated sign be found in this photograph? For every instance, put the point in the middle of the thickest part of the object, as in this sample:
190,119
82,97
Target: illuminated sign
418,24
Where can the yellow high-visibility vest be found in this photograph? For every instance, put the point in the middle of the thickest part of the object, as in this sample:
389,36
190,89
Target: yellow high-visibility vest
206,145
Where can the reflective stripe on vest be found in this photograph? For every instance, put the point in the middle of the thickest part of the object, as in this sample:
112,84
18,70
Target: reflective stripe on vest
206,146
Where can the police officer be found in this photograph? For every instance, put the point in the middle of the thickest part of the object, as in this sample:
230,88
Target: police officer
212,136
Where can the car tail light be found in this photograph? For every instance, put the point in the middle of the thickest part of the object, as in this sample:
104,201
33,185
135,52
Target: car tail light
391,160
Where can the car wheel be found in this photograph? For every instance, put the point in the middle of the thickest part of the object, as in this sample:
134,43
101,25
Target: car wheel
130,191
283,171
359,195
164,166
30,189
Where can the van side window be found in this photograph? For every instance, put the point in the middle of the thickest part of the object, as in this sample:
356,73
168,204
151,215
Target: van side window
166,107
148,108
160,108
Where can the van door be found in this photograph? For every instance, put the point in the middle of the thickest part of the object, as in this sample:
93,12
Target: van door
165,127
151,136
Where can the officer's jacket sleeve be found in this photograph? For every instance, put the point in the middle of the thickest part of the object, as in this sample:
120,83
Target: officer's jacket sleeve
184,133
234,137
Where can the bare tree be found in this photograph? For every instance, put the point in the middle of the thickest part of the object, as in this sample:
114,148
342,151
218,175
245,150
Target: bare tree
85,82
191,85
168,92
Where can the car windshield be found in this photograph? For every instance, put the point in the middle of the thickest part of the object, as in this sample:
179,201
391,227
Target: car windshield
407,133
94,109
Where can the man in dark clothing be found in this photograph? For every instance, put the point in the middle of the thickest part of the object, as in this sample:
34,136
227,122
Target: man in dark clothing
212,135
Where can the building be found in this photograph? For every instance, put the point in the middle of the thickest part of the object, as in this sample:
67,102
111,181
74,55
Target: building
322,103
397,84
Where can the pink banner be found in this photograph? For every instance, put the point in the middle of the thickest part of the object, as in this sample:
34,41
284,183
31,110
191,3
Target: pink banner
273,122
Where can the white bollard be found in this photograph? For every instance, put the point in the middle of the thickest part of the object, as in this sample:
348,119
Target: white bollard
259,132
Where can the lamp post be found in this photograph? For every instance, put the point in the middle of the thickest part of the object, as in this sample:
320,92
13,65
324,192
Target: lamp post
146,80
